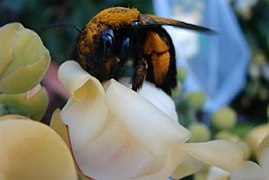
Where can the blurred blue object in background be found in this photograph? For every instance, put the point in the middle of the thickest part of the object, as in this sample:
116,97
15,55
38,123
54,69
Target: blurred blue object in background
215,64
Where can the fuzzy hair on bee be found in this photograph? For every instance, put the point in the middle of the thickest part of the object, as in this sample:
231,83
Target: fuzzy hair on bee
118,34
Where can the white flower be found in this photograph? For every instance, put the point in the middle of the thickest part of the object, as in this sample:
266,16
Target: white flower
116,133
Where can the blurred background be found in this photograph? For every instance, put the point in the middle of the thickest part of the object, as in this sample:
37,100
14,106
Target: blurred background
228,70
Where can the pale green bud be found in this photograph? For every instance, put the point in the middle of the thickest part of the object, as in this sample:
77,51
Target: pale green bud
23,57
32,104
224,118
200,132
181,74
195,100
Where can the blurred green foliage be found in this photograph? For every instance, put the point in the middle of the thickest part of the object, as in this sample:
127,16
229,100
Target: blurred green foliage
38,15
253,100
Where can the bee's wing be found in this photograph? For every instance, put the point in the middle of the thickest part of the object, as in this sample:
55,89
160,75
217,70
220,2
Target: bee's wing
148,20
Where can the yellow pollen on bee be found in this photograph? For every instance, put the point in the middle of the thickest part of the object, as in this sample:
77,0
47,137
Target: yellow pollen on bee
115,17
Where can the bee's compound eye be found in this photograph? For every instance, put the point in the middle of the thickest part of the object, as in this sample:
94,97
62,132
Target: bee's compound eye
108,42
107,45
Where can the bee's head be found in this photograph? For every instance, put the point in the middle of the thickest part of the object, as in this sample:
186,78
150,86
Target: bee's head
97,51
98,43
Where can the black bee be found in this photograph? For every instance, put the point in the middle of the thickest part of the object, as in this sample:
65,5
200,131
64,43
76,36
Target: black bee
118,34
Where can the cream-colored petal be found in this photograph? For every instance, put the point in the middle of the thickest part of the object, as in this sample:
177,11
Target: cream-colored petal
220,153
152,128
255,136
31,150
264,161
263,155
122,157
188,165
57,125
248,170
216,173
114,154
156,96
85,113
263,144
178,165
168,165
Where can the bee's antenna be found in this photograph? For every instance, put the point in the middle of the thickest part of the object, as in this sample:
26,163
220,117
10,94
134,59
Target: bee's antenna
64,24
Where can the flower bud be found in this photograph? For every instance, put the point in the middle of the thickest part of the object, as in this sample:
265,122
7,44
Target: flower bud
181,74
224,118
196,100
200,132
32,103
255,136
23,57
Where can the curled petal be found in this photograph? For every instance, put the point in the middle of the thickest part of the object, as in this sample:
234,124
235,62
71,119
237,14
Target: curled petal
220,153
86,111
248,170
31,150
73,77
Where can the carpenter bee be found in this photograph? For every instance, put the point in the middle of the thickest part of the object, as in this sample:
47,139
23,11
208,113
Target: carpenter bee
118,34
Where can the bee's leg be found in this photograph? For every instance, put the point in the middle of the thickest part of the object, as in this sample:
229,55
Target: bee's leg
140,74
115,74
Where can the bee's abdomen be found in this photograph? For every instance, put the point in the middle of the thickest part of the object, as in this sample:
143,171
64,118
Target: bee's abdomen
160,54
157,52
